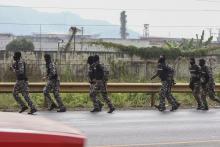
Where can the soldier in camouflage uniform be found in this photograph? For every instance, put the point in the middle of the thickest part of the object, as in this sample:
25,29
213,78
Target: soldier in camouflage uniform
208,84
100,85
165,74
53,85
195,83
21,86
96,102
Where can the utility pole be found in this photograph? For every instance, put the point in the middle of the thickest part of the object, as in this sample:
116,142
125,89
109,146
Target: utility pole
74,43
59,50
40,38
82,37
40,50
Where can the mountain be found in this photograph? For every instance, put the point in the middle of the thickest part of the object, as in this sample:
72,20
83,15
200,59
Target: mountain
22,15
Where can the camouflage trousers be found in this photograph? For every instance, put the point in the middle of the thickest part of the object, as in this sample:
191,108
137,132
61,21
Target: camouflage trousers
96,102
99,87
209,89
54,87
21,86
165,93
196,93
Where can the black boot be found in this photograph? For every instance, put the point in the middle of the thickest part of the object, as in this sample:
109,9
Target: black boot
95,110
160,108
23,109
53,106
175,107
62,109
111,110
32,111
199,107
206,108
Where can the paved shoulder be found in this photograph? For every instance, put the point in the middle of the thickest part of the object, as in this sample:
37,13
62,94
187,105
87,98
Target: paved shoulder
145,127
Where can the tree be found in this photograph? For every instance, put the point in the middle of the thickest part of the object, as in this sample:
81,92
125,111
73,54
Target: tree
20,45
123,29
186,44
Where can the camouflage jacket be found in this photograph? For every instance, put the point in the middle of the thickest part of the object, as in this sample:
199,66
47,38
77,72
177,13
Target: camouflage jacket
19,68
206,75
51,71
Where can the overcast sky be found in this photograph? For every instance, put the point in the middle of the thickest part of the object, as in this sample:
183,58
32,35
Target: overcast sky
156,13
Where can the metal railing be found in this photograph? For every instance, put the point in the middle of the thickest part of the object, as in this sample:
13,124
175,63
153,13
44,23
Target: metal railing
151,88
112,87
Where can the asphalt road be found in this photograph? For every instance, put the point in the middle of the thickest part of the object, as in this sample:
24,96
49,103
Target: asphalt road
140,128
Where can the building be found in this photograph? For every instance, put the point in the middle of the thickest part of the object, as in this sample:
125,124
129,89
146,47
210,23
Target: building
5,39
56,42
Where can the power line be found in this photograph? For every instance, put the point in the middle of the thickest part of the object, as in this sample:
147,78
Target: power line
110,25
51,24
189,26
118,9
209,1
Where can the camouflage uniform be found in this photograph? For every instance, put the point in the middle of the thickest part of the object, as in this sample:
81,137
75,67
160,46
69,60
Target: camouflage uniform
195,83
96,102
100,86
167,83
53,85
21,85
208,86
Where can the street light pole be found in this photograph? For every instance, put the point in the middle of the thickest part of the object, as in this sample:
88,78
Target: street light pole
82,29
74,42
58,50
60,41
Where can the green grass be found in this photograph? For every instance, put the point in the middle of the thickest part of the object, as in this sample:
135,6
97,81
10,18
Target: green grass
82,101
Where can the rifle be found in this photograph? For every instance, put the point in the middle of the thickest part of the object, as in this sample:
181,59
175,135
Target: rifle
154,76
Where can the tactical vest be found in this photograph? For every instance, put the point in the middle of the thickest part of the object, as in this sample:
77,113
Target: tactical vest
205,75
20,76
165,72
195,73
54,77
99,72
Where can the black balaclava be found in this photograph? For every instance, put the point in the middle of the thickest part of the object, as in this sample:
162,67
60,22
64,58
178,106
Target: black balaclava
96,58
17,56
90,60
47,58
192,61
162,59
202,62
